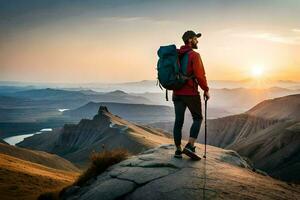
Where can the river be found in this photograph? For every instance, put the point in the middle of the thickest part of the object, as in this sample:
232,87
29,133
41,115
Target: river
13,140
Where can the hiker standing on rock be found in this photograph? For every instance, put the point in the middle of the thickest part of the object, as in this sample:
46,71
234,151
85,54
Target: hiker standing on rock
188,95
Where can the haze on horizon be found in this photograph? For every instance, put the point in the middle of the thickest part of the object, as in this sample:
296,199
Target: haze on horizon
116,41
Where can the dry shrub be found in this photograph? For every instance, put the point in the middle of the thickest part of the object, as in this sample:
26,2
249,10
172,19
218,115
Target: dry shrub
100,161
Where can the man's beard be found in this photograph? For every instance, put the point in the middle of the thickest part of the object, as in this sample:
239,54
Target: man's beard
194,46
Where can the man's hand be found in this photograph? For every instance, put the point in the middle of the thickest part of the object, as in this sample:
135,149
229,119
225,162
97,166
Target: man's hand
206,95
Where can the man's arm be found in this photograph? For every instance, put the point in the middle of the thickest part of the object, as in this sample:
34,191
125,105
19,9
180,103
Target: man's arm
199,72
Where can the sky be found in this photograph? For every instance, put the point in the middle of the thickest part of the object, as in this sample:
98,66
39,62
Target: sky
86,41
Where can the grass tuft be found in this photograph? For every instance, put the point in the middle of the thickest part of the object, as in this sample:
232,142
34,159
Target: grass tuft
100,161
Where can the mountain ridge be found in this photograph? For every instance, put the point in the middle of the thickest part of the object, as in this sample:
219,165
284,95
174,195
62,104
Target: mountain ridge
76,141
38,157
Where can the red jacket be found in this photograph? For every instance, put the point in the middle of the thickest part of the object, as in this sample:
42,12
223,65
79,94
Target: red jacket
195,66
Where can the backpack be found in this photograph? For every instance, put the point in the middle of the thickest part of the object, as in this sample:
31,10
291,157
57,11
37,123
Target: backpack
171,71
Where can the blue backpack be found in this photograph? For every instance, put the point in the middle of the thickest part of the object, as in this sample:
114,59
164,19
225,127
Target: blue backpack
172,71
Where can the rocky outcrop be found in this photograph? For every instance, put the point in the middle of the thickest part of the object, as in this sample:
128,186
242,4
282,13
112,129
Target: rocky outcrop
156,174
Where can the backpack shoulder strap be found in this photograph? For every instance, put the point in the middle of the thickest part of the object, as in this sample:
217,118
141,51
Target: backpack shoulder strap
184,63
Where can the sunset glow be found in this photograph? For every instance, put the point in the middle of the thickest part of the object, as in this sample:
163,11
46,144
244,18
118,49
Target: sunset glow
117,42
257,71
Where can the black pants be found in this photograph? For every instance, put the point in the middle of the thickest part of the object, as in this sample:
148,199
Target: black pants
194,105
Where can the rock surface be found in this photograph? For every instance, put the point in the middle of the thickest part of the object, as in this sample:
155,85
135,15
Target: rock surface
156,174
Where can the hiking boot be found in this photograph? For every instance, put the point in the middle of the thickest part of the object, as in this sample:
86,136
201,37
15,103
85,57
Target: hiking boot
190,147
178,152
190,151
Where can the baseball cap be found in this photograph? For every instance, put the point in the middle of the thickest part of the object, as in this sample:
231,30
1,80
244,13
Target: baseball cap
190,34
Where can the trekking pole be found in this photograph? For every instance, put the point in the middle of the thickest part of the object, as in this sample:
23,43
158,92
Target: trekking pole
205,127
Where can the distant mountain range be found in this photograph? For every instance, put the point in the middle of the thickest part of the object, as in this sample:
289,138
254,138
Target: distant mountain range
51,94
229,101
43,104
140,113
82,96
29,109
150,85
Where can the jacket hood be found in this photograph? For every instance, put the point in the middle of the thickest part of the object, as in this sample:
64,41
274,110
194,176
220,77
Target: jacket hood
183,49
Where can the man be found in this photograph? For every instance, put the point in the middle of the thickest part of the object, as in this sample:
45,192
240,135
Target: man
188,96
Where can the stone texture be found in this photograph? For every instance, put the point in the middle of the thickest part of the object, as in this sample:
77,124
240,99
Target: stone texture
109,189
156,174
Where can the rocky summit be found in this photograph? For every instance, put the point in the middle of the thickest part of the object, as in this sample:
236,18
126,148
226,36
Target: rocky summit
156,174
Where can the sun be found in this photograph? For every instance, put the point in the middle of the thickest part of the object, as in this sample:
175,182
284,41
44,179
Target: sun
257,71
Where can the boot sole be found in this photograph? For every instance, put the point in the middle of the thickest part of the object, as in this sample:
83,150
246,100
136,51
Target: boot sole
191,154
177,156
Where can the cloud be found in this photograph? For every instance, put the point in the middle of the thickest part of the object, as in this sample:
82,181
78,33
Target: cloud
121,19
297,30
137,19
291,40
